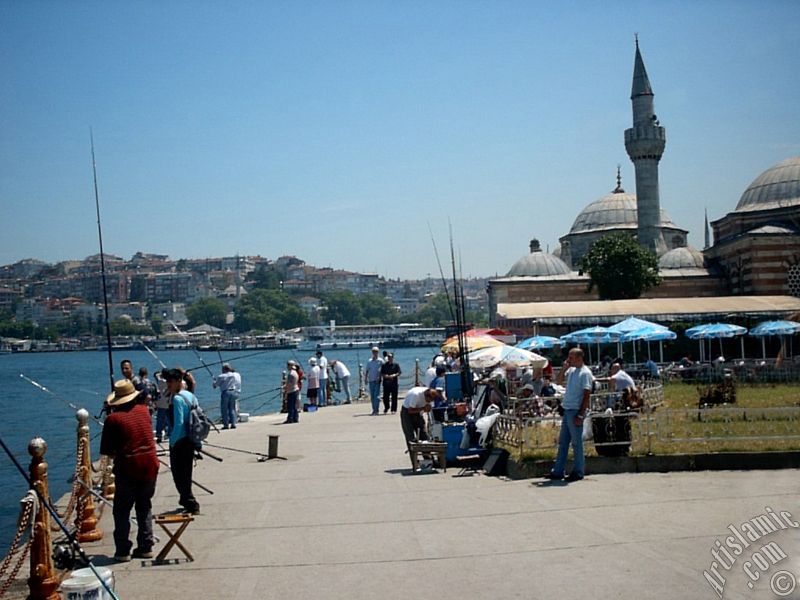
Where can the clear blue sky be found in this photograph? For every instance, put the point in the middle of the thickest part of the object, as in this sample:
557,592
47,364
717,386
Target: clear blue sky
337,131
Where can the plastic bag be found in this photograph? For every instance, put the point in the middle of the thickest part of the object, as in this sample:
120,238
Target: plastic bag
588,434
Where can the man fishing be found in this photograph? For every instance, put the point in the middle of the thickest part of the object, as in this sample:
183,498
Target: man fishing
230,384
127,437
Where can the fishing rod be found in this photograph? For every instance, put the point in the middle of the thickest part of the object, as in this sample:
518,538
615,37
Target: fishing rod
277,395
211,364
102,264
111,504
189,343
259,454
57,397
200,485
73,541
153,354
441,274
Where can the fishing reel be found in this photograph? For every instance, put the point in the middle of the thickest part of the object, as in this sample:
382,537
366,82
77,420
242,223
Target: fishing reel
65,557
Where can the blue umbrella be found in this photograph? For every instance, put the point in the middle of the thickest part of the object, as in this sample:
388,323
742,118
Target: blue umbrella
538,342
592,335
633,324
780,328
658,333
715,330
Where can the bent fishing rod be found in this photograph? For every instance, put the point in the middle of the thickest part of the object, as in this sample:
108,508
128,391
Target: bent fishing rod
189,343
71,537
102,264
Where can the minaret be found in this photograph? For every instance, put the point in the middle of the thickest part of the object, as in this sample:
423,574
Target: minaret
645,143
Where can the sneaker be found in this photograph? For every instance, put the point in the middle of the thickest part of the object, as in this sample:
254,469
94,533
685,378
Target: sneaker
139,553
553,477
121,558
225,427
573,477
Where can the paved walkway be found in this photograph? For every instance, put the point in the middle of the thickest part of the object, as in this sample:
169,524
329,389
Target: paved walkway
344,517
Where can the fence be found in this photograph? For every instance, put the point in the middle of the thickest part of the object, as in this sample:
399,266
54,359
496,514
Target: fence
653,429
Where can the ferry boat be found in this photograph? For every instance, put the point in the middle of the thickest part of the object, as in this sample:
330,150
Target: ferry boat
338,337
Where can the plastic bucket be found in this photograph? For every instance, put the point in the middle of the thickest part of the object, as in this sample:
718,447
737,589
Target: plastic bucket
244,417
84,585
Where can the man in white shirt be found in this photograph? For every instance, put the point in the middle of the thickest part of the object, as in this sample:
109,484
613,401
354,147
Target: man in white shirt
418,400
619,380
312,393
579,380
323,378
230,384
342,378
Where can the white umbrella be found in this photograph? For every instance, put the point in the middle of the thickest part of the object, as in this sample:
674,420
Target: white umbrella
507,356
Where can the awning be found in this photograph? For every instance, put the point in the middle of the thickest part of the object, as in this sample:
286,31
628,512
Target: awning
595,312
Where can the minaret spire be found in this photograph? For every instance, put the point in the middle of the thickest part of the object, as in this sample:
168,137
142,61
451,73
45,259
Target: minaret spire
645,143
618,189
708,233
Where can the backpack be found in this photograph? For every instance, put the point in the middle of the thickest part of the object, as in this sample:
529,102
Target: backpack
198,425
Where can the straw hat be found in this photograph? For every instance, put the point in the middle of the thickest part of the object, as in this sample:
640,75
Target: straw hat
123,392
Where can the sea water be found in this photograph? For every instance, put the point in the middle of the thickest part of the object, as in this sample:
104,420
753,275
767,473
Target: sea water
82,378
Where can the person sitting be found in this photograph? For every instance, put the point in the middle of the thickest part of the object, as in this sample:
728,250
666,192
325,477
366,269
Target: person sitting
652,369
548,390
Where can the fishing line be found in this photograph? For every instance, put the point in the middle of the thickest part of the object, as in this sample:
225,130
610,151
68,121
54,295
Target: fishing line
57,397
235,449
153,354
189,343
70,536
211,364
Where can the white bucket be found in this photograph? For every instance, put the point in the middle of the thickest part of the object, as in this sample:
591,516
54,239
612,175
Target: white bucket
84,585
244,417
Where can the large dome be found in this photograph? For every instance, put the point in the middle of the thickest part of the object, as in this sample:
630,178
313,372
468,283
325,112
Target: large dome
777,187
538,264
685,257
616,210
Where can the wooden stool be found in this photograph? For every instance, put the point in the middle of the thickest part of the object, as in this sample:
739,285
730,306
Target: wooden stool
437,448
183,520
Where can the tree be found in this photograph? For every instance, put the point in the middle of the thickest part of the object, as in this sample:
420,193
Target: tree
377,309
435,312
344,307
268,309
207,310
620,267
266,277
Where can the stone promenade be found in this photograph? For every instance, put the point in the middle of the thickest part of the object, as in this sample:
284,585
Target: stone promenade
344,517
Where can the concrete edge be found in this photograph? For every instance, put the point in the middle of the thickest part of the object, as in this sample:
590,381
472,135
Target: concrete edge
720,461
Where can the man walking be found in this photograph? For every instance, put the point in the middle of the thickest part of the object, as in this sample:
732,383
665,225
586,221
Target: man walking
230,384
372,375
128,438
575,403
181,446
390,374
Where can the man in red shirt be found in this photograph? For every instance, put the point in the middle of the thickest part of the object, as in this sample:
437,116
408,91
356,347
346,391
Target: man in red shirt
128,438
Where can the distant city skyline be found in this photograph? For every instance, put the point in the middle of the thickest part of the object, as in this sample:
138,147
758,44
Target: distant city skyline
341,132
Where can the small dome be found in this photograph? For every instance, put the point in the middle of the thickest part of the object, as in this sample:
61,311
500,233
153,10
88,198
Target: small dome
538,264
616,210
777,187
557,251
682,258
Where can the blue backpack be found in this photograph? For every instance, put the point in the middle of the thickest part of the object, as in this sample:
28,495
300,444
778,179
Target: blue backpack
198,424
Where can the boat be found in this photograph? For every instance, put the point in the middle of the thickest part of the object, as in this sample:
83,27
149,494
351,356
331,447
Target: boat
339,337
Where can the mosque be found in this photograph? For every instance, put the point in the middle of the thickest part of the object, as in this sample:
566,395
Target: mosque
750,271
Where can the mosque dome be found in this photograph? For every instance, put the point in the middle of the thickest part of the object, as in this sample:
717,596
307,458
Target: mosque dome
616,210
538,264
777,187
685,257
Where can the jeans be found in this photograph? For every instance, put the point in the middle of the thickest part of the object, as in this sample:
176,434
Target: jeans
181,462
414,428
130,494
227,407
323,392
375,395
162,423
570,433
291,408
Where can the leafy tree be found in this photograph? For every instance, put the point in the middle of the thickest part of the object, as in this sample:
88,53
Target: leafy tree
124,326
435,312
620,267
377,309
344,307
266,277
181,265
207,310
268,309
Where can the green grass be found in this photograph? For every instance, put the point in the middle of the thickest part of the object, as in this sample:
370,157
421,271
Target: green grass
679,426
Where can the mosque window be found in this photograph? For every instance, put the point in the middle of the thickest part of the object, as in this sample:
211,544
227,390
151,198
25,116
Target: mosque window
794,281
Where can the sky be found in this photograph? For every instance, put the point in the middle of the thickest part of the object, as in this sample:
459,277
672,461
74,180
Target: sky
349,133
